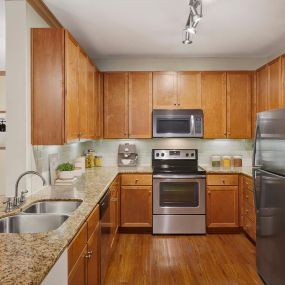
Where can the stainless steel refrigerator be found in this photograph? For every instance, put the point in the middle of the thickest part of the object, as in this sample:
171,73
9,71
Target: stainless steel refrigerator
269,194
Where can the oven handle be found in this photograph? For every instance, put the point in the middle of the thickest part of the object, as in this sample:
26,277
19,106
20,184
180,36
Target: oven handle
167,176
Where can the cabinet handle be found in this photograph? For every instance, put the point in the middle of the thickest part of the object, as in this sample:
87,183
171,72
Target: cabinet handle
209,192
87,256
223,181
90,252
136,181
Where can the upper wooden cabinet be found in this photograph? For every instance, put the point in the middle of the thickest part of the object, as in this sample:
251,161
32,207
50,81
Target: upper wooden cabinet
262,89
99,106
61,88
92,101
140,102
116,105
275,99
189,90
239,96
214,104
83,95
177,90
164,90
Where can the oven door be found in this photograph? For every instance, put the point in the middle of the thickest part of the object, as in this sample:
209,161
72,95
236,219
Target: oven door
178,195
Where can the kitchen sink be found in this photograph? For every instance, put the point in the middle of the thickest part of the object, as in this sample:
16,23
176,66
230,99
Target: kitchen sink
53,207
32,223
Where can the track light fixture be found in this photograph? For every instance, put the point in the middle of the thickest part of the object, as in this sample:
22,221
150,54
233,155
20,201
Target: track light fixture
195,15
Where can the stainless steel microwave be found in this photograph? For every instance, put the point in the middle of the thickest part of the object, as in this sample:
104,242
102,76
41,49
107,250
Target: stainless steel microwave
186,123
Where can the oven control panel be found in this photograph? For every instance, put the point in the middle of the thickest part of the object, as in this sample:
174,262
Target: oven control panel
177,154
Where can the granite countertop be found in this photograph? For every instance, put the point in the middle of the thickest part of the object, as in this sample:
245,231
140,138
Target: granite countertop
27,258
246,170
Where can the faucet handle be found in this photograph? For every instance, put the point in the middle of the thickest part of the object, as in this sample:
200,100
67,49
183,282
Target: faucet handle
22,197
9,204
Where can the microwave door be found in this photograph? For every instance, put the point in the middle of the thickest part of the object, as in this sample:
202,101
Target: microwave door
173,127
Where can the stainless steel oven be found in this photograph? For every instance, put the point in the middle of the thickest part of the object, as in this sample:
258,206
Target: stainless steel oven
177,123
179,188
179,194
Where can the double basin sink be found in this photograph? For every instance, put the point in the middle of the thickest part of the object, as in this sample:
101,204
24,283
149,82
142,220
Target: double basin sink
39,217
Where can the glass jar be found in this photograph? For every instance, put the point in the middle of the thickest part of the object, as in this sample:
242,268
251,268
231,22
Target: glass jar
237,161
226,161
216,161
88,160
98,160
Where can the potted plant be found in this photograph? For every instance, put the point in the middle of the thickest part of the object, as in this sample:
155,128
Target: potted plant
66,171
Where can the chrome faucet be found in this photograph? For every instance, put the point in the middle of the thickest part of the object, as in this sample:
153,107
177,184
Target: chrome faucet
19,200
15,202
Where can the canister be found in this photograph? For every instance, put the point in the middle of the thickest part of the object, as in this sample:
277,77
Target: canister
237,161
216,161
226,161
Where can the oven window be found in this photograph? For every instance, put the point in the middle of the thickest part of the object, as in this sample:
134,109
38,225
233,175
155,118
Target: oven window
175,126
179,194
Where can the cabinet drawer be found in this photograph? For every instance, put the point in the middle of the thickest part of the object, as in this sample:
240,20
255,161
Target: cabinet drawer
93,221
250,228
249,212
248,198
77,246
136,179
247,183
222,179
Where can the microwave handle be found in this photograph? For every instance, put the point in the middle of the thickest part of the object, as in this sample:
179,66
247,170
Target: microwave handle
192,122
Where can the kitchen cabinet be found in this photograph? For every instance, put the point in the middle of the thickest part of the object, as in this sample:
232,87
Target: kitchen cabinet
214,104
114,211
92,101
239,96
189,90
262,89
83,94
222,201
164,90
84,253
249,215
116,105
99,105
61,92
136,200
140,102
275,99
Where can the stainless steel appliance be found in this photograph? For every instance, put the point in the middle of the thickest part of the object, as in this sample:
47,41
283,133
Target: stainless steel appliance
127,155
177,123
105,222
178,192
269,194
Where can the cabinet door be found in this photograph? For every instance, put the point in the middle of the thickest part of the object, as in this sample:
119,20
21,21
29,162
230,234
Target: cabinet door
83,94
113,214
140,102
275,84
214,104
164,90
262,89
99,105
92,101
93,264
189,90
222,206
116,105
239,105
71,87
136,206
78,274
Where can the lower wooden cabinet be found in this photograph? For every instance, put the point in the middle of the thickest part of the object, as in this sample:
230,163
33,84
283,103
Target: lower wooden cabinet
249,214
136,200
222,201
84,253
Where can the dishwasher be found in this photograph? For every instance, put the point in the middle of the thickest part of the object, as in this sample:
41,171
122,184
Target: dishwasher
105,222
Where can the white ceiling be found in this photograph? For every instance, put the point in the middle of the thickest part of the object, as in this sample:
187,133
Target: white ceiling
152,28
2,35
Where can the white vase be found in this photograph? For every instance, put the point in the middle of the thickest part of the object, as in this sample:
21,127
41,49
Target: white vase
65,175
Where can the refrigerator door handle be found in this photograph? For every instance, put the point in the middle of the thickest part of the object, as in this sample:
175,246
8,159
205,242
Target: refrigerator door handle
254,147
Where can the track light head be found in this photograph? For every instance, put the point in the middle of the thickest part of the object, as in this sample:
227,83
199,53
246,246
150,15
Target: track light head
187,38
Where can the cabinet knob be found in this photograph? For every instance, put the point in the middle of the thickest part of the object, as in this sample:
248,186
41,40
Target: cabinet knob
223,181
136,181
209,192
174,104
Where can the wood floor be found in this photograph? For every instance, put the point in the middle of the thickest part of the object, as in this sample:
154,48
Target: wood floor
143,259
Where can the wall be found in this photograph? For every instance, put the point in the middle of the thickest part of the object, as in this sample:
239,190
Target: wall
178,64
206,148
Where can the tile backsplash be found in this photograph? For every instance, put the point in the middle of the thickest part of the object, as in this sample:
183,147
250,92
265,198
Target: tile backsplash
66,153
206,148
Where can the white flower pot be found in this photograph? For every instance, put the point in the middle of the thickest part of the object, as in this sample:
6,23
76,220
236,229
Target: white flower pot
65,175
